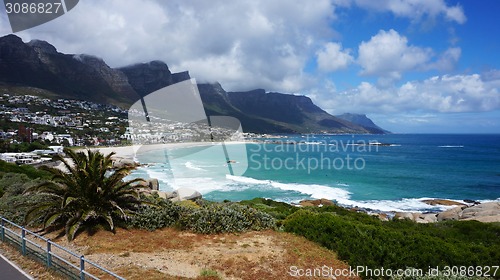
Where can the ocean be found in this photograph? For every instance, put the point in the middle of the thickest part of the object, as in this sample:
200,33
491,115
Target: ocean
391,172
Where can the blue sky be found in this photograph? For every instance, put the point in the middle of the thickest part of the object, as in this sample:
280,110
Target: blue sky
411,65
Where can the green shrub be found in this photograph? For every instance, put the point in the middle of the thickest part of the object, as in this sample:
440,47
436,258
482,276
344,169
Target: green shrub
13,204
362,241
223,218
14,208
278,210
29,170
152,218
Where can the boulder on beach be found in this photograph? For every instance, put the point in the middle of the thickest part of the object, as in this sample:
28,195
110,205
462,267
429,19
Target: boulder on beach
124,162
444,202
488,211
404,215
182,194
153,184
425,218
316,202
451,214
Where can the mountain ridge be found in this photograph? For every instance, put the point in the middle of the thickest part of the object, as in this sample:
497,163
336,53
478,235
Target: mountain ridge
38,64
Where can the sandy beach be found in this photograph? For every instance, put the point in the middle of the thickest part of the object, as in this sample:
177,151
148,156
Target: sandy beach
130,152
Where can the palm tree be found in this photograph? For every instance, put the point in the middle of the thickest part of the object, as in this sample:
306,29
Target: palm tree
89,192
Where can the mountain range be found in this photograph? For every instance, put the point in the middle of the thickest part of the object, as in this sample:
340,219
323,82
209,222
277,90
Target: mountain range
37,68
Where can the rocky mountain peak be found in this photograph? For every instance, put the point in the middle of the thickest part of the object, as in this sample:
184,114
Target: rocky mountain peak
148,77
41,46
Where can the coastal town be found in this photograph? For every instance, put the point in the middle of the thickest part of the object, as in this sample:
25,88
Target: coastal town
33,128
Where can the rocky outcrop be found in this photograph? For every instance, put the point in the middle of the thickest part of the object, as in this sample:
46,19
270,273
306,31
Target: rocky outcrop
124,162
488,212
425,218
403,215
182,194
453,214
444,202
317,202
484,212
148,77
116,79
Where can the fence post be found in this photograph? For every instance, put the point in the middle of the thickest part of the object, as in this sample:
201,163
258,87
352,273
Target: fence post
82,268
49,254
23,241
2,230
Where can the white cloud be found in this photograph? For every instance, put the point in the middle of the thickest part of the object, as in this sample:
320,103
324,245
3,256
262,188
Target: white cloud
447,60
388,54
439,94
416,9
331,57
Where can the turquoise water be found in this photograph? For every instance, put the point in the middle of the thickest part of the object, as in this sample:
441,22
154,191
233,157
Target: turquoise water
350,169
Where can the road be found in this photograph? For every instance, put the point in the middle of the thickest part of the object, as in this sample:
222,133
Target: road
9,271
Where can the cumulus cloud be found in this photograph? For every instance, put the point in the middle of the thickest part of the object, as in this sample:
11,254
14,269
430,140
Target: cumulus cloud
331,57
415,9
389,54
438,94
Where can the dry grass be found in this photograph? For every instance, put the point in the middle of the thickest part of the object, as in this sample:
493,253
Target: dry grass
174,254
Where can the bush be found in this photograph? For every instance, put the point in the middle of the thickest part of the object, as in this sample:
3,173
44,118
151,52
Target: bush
14,208
363,241
279,210
152,218
29,170
13,204
224,218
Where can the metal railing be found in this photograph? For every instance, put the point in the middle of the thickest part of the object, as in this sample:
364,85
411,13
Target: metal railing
54,256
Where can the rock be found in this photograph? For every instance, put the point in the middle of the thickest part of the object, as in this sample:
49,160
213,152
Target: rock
306,203
124,162
476,212
444,202
148,77
404,215
426,218
316,202
470,201
182,194
381,216
485,219
451,214
149,184
153,184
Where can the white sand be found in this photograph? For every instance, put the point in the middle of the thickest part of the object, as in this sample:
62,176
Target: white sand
129,152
